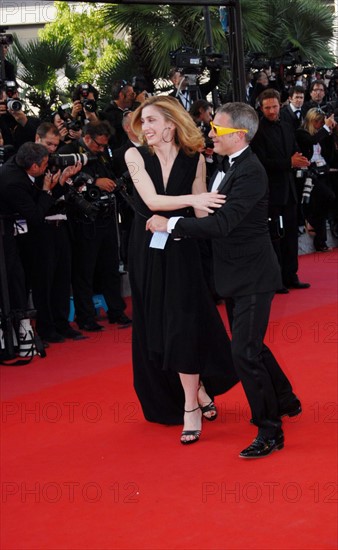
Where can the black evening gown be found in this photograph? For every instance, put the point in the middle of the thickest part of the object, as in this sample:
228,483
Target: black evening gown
176,325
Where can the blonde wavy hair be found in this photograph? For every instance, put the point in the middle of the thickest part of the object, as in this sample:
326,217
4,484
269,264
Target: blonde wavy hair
187,136
312,116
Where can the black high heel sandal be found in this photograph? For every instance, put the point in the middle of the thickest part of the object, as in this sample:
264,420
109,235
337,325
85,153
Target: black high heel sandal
195,433
211,407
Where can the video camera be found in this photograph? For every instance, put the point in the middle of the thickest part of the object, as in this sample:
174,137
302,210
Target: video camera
191,61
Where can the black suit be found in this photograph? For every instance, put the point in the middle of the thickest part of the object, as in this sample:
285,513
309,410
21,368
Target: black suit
274,144
18,194
44,250
290,116
246,274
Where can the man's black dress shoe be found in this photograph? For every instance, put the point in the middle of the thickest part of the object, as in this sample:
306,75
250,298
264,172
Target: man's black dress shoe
52,338
298,285
263,446
70,332
282,290
122,320
91,326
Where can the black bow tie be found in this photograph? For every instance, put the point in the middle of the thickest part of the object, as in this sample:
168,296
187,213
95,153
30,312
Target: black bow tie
223,164
298,113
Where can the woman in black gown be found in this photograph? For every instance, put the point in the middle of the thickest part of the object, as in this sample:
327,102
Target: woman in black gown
178,336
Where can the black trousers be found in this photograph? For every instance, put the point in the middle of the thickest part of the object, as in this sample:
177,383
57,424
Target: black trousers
285,242
95,258
265,384
15,272
51,277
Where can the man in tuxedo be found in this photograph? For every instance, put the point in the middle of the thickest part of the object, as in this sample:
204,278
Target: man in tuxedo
246,272
292,112
276,147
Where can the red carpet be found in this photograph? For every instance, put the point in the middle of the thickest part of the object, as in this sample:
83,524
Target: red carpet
81,469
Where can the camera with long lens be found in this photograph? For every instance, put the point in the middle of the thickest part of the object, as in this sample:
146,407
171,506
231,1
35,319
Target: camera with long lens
14,105
307,189
62,161
87,199
80,200
312,173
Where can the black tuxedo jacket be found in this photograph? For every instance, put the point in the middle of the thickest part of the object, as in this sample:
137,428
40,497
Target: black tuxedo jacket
288,115
275,155
244,260
19,195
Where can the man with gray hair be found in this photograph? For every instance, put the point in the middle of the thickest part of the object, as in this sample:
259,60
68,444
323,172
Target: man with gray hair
246,271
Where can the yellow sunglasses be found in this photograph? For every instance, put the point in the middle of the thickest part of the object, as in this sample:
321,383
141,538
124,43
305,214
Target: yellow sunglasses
221,131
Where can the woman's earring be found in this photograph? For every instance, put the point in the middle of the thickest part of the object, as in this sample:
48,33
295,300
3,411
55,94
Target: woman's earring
167,140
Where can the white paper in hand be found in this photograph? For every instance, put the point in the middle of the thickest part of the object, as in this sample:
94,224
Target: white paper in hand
159,240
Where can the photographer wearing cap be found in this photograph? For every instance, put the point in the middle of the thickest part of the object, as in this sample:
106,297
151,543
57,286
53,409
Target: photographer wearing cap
95,242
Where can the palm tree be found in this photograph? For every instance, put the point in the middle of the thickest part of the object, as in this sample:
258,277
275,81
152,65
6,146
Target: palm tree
270,27
304,24
38,65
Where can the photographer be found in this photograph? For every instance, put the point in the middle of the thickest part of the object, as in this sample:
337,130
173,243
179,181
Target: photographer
19,195
51,268
68,128
84,108
123,97
29,190
316,142
15,125
95,243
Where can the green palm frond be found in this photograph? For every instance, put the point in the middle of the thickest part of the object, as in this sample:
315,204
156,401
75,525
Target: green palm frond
39,60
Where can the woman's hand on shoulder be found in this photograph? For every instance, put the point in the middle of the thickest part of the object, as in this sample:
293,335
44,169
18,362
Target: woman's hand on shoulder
207,202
